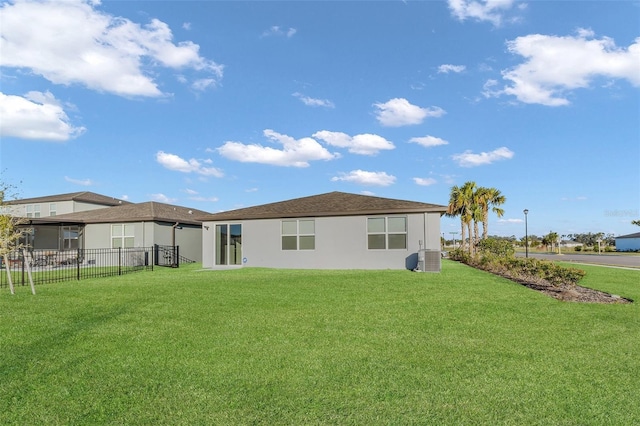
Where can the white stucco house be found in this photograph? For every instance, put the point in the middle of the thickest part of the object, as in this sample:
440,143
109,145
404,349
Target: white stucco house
630,242
335,230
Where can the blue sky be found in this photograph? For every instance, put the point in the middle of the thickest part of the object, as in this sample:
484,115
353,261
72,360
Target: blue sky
219,105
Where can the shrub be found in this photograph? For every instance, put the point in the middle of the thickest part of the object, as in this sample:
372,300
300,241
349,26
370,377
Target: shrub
519,269
460,255
577,248
496,247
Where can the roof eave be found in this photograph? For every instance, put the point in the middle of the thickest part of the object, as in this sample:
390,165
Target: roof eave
223,217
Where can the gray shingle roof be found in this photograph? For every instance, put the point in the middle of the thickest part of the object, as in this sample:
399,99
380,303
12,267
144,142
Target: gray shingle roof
85,196
150,211
329,204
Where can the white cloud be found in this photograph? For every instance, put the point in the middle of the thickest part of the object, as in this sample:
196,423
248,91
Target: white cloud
363,144
556,65
161,198
278,31
314,102
480,10
362,177
399,112
204,199
295,152
429,141
424,181
510,220
71,42
174,162
578,198
447,68
37,115
82,182
469,159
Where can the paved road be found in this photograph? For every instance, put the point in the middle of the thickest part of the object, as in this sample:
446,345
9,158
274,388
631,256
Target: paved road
628,261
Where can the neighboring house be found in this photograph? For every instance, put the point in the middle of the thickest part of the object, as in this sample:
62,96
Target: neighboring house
630,242
54,205
112,224
328,231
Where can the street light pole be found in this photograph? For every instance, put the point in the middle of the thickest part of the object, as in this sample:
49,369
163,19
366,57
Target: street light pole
453,234
526,234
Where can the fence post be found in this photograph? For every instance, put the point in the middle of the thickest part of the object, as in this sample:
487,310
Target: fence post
78,264
119,260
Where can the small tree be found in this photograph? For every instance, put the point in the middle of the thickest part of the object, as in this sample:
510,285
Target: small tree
10,231
550,239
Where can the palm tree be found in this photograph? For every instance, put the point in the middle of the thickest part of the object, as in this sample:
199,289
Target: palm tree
460,204
455,208
476,216
490,198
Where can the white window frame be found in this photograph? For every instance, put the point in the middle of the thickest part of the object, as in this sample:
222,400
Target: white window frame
52,209
33,210
387,233
299,234
126,236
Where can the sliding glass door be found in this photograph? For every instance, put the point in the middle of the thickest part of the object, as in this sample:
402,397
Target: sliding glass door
229,244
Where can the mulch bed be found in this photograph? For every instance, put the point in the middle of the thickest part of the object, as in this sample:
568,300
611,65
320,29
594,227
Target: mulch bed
567,292
576,293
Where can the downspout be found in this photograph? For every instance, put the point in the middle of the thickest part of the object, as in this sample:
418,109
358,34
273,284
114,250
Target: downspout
174,264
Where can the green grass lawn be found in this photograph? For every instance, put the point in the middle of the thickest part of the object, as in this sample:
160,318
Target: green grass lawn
261,346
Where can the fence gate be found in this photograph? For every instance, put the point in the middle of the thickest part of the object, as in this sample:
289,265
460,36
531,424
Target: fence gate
167,255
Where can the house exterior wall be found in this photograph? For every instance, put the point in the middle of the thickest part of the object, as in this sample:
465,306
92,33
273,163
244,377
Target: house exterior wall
188,238
627,244
146,234
340,243
79,206
61,207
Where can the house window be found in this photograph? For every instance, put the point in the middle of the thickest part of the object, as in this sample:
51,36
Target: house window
122,236
33,210
52,209
299,234
387,233
70,237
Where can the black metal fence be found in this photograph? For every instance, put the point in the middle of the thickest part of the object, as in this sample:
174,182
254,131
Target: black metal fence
49,266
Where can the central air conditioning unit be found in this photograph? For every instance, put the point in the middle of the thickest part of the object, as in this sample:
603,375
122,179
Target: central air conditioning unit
429,261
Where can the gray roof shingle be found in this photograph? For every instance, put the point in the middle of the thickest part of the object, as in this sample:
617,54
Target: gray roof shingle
329,204
147,212
85,196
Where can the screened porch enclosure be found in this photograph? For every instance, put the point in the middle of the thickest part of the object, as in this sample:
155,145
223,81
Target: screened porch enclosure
228,248
43,237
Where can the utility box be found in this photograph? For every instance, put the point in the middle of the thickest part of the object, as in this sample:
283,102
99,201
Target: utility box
429,261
